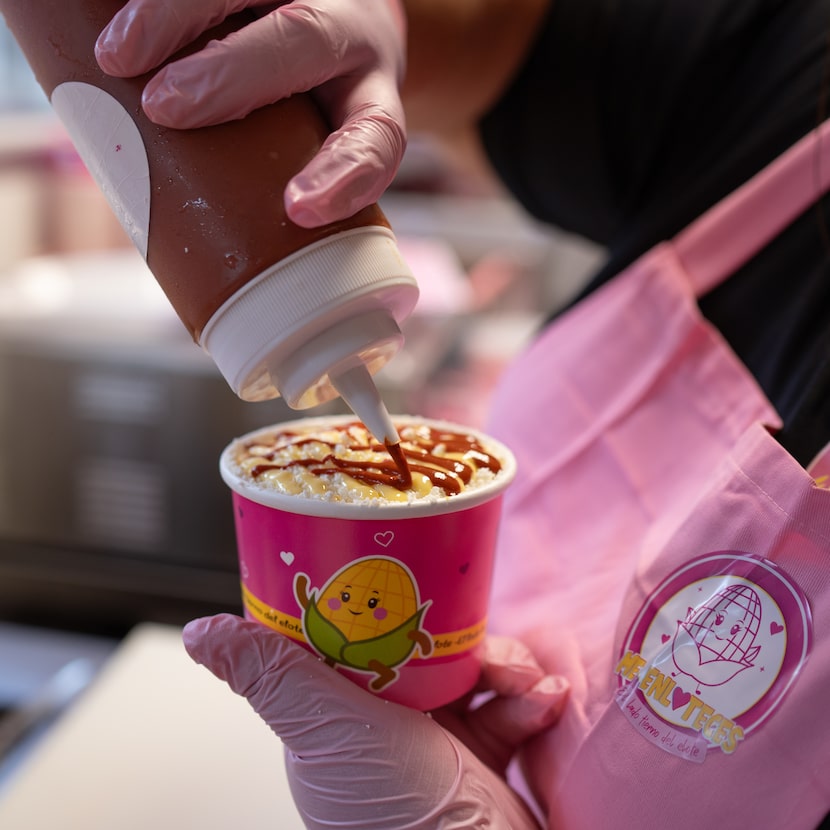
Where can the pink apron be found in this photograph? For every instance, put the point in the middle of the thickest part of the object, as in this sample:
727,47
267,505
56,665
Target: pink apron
665,553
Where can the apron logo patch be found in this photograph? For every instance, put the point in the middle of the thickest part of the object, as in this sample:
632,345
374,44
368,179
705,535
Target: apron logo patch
712,653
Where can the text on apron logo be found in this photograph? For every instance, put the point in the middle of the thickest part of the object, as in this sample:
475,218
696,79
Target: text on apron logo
711,653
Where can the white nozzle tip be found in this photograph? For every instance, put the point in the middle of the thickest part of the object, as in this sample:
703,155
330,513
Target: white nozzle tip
358,390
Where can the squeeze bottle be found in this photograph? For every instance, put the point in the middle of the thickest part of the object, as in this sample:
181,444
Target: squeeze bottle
283,310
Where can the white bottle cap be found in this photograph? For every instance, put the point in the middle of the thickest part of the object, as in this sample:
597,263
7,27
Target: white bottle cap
327,309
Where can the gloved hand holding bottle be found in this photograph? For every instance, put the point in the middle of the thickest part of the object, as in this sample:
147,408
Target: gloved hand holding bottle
355,760
352,69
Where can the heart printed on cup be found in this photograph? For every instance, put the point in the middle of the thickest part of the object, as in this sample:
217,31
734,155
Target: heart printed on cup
287,556
384,538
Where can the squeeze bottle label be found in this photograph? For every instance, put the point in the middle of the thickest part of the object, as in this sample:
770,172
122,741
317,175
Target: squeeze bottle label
112,151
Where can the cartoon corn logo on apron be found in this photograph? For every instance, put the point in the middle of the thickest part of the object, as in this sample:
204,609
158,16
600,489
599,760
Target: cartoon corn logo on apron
664,552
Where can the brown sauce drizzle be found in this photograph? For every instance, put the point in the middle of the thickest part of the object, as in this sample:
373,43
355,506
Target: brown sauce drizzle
415,454
399,457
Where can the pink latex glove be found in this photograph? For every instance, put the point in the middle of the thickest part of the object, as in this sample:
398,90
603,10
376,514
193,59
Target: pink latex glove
354,760
350,53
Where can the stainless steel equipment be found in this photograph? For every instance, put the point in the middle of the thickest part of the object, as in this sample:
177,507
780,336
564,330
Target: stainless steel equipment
111,423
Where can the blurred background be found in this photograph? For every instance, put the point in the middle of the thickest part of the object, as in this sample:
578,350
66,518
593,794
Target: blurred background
112,511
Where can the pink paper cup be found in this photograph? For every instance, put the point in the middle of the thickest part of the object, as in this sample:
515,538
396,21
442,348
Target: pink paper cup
299,557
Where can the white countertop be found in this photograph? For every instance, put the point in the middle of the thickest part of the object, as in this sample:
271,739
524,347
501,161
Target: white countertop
156,742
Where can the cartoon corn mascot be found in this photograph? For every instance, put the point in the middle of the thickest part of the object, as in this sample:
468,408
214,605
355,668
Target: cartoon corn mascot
367,617
716,641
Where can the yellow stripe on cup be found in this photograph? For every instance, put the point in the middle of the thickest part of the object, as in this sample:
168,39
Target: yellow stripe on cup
445,645
263,613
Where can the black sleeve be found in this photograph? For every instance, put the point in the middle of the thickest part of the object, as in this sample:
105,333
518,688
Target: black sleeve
631,117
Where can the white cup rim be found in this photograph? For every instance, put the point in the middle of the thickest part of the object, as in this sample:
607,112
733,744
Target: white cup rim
374,511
